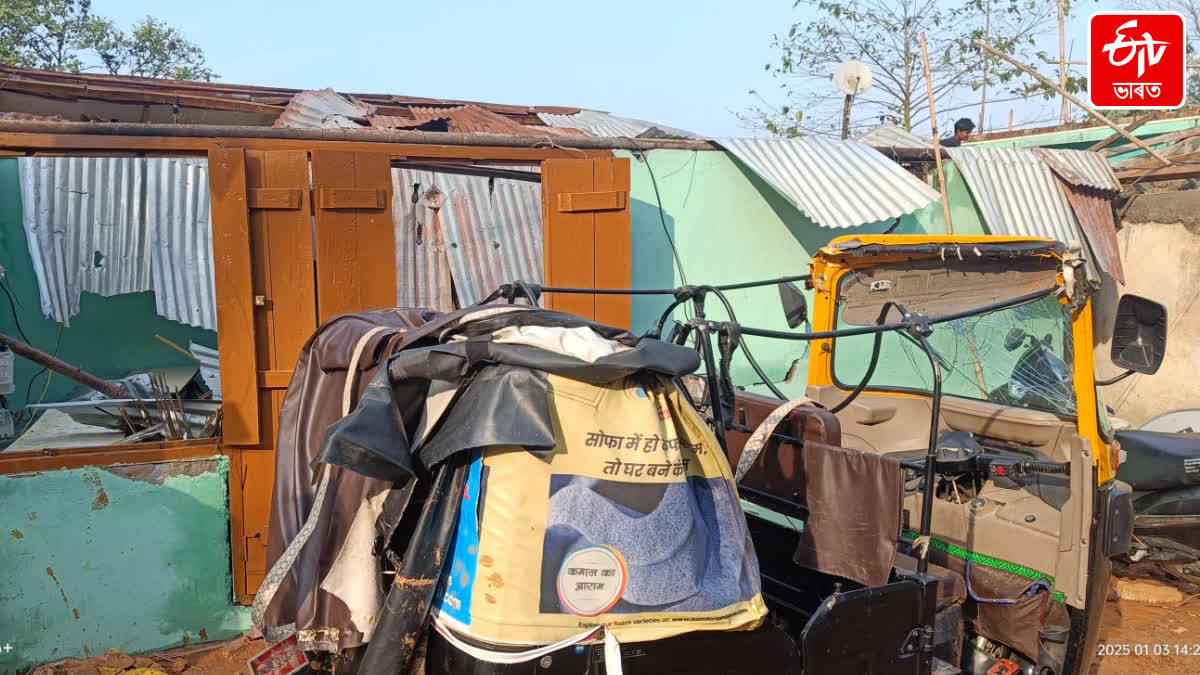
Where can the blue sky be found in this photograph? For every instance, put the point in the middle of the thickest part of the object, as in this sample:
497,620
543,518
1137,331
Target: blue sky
685,64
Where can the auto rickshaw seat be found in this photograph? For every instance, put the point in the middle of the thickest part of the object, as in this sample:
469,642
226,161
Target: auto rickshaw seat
780,466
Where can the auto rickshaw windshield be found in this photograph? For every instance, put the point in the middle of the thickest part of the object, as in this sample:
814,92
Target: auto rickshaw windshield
1019,356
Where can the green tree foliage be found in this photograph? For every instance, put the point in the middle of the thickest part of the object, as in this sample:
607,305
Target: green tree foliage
885,34
67,35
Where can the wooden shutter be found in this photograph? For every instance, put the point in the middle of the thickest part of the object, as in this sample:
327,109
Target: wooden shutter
586,235
266,311
356,245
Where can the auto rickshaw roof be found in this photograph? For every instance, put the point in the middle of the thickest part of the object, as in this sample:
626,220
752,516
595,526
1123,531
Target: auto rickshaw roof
868,250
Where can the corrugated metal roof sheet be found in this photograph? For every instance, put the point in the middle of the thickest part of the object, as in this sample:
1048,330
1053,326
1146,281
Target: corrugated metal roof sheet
837,183
1019,195
1016,192
486,233
1094,211
469,119
892,136
392,122
598,123
1082,168
29,116
322,109
111,225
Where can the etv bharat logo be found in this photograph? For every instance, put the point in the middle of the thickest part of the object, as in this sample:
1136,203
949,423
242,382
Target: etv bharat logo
1137,60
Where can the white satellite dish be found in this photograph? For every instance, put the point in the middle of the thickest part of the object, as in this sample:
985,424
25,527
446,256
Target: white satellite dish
852,77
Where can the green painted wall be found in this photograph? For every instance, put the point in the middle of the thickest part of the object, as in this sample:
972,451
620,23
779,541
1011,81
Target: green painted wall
110,337
730,226
1082,139
94,559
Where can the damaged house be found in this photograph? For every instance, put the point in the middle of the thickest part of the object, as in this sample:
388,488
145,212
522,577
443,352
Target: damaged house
203,231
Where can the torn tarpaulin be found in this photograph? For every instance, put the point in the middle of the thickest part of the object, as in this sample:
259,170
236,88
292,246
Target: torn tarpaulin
506,404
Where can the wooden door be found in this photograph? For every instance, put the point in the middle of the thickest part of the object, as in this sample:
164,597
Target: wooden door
273,288
586,235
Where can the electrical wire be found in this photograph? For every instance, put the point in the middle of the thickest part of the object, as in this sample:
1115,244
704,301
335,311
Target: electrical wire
46,388
16,317
667,291
663,218
732,319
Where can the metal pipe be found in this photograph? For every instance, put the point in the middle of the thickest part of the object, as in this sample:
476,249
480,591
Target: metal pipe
673,291
471,170
63,368
930,453
350,135
866,330
714,386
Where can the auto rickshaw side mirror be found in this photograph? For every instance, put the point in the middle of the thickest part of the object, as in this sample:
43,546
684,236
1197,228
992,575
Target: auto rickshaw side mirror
795,307
1139,339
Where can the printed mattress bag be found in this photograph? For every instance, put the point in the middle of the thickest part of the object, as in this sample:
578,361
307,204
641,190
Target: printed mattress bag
632,522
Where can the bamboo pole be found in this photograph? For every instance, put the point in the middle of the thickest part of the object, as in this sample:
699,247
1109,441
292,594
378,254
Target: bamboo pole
177,348
1062,61
1132,125
937,146
1073,99
987,32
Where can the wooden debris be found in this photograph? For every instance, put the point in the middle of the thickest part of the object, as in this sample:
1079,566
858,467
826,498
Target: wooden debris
1150,592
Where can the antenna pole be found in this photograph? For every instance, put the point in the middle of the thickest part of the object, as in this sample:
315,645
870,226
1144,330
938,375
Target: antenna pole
845,108
937,146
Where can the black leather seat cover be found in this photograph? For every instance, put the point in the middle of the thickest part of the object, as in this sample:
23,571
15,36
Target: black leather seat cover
1158,460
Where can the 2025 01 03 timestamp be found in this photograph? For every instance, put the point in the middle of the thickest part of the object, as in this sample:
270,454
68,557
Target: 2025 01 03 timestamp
1148,649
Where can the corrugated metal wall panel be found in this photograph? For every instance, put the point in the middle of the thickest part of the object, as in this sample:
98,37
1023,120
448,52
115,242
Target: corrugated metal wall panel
488,235
181,240
1016,192
494,236
74,208
148,219
422,269
837,183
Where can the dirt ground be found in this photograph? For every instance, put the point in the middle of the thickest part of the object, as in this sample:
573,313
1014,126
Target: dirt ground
225,658
1149,628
